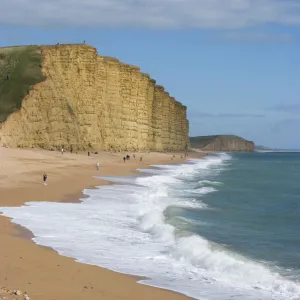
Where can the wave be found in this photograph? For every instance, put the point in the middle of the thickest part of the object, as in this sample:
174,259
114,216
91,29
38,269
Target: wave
202,191
125,228
277,150
208,182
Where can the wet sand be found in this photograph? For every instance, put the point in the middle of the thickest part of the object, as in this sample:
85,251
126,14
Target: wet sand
40,271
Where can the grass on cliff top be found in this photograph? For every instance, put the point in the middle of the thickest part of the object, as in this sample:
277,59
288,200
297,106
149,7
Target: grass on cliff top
20,69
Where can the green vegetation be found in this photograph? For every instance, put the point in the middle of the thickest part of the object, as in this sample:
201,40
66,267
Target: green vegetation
70,109
20,69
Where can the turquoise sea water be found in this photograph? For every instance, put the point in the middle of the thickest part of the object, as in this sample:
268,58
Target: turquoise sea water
255,210
219,228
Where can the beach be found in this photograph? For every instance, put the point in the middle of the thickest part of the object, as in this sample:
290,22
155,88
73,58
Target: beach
40,271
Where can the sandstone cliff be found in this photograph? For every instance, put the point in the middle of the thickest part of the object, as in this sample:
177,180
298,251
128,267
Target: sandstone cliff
222,143
92,102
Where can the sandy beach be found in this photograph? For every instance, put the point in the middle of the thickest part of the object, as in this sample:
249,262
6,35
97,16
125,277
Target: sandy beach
39,271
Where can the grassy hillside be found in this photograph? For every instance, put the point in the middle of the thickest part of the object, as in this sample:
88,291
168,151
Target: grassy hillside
20,68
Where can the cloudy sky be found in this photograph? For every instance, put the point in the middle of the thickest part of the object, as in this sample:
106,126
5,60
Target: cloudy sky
234,63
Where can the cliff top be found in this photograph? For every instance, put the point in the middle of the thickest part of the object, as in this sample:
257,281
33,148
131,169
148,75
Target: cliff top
16,47
21,69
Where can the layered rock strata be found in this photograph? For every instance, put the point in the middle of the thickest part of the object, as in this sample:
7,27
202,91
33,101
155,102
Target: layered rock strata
91,102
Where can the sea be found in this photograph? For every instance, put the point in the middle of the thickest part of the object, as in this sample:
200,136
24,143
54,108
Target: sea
219,228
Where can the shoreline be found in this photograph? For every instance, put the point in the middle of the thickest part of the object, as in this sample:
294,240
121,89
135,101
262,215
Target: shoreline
69,189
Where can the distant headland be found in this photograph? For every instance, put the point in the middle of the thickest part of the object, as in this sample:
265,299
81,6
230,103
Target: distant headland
222,143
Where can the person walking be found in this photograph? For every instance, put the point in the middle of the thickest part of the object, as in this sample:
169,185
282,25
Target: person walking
62,150
97,165
45,178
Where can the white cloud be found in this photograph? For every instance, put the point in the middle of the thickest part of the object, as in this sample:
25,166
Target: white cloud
290,108
220,14
286,125
257,37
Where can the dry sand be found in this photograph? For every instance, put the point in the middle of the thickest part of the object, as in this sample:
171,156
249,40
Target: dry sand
40,271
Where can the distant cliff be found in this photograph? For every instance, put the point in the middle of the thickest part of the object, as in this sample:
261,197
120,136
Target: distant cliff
223,143
68,95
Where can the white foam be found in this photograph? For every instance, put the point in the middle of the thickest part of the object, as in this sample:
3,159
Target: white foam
209,182
202,191
123,228
190,203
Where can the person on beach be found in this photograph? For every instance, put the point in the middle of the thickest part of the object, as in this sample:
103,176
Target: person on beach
45,178
97,165
141,159
124,158
62,150
134,155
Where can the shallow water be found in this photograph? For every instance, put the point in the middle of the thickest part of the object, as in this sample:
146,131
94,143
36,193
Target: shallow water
224,227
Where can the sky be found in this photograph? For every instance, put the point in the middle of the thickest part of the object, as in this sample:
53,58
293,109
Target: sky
234,63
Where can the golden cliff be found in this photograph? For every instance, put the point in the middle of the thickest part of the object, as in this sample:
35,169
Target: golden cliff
91,102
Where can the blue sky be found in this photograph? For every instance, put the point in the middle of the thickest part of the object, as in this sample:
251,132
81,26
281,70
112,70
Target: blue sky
234,63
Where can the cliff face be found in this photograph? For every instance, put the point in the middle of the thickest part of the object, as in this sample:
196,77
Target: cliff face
94,102
222,143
